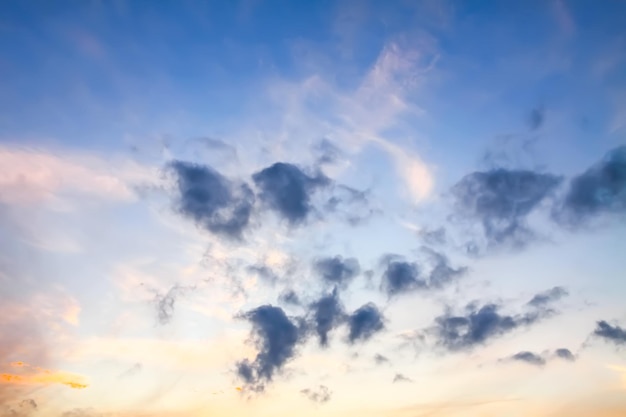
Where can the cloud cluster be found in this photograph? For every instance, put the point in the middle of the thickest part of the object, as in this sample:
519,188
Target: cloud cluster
320,395
536,359
276,337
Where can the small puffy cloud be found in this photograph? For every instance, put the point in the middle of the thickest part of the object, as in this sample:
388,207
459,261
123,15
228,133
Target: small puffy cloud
287,190
289,297
529,358
320,395
364,322
501,200
401,277
565,354
380,359
610,333
544,298
276,337
211,200
401,378
599,190
337,270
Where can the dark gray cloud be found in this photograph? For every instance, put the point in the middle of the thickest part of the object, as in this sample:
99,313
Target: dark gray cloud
544,298
320,395
529,358
401,277
480,324
363,323
599,190
536,118
287,190
289,297
401,378
212,201
337,270
328,313
565,354
380,359
614,334
501,199
276,337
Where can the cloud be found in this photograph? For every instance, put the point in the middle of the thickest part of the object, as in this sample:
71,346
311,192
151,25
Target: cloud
328,313
547,297
380,359
275,337
501,200
599,190
565,354
480,324
401,378
326,152
363,323
401,277
337,270
218,145
165,303
433,236
287,190
212,201
289,297
320,395
34,176
528,357
25,408
614,334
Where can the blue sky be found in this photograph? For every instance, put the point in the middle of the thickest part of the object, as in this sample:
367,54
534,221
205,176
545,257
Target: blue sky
326,207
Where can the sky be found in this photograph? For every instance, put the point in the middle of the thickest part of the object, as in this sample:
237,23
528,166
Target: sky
322,208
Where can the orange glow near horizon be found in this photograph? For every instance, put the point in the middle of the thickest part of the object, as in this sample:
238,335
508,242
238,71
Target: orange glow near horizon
41,376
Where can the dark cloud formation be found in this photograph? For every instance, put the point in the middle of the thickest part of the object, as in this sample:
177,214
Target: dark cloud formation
565,354
275,337
401,277
212,201
599,190
479,324
501,199
544,298
401,378
287,190
536,118
528,357
363,323
320,395
289,297
337,270
614,334
380,359
328,313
